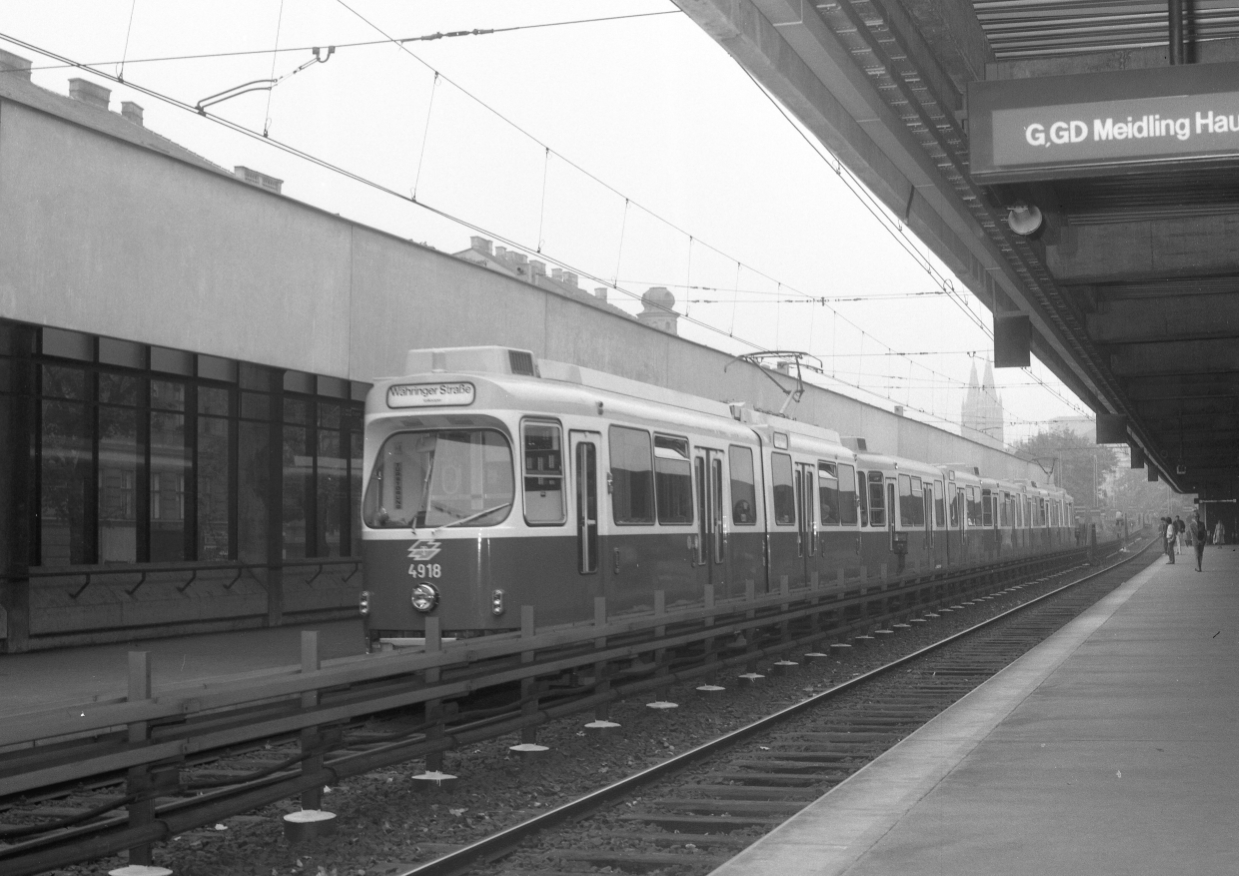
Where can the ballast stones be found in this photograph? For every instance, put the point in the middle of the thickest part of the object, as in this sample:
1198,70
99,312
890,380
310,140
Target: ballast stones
308,824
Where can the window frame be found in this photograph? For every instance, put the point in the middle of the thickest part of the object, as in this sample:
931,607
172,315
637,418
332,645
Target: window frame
559,474
687,476
877,509
612,430
789,499
734,453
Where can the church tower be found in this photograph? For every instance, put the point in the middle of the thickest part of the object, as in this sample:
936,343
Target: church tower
982,417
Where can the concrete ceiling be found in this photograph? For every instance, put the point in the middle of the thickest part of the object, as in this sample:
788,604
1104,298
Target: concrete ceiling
1132,289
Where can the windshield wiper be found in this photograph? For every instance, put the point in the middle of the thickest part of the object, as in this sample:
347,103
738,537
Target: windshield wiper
462,521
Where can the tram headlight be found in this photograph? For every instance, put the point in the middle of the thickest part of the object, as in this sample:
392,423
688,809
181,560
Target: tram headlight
496,602
425,597
363,604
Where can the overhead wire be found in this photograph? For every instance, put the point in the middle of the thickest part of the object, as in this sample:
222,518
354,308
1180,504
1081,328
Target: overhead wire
628,202
207,56
458,220
870,204
133,8
875,207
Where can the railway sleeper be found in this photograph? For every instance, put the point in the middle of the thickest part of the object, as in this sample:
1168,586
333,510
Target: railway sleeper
663,838
756,792
784,780
804,767
705,823
637,862
730,806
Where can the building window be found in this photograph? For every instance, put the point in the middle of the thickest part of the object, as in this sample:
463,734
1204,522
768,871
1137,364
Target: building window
143,454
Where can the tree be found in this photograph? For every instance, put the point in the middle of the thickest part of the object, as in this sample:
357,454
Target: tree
1080,466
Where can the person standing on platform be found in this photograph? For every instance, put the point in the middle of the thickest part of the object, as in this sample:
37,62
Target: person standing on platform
1219,534
1200,534
1168,537
1179,529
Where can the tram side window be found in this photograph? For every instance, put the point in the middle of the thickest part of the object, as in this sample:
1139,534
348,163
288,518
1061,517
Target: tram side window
632,498
974,507
939,506
877,502
673,479
911,501
784,494
847,495
743,486
987,508
544,473
828,492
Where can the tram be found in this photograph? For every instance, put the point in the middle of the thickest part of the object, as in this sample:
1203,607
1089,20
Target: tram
495,481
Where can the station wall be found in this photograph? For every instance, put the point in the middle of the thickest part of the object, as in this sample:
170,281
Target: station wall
107,237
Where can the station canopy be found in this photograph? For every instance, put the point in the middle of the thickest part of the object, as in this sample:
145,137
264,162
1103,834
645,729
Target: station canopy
1074,162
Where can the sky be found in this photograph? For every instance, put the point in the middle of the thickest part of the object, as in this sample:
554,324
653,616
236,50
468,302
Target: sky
632,151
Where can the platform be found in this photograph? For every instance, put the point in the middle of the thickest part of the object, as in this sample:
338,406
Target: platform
42,679
1109,749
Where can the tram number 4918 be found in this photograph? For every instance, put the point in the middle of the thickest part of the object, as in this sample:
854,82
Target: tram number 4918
425,570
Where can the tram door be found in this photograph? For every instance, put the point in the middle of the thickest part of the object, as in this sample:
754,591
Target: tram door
899,551
954,547
710,553
806,539
584,448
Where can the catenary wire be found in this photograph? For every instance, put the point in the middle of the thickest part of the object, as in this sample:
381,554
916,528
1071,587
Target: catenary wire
296,152
206,56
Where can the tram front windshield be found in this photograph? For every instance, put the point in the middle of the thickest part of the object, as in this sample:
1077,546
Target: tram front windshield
440,478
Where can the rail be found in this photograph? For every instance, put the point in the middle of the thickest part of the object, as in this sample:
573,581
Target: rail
150,734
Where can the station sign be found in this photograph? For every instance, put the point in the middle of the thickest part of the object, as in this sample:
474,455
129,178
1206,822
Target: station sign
1102,124
429,395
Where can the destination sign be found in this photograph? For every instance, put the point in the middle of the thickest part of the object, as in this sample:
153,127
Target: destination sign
1102,123
429,395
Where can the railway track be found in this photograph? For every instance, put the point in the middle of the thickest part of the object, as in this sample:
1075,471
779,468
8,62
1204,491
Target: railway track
692,813
227,784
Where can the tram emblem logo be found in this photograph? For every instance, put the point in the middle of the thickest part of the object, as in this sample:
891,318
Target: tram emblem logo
423,550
